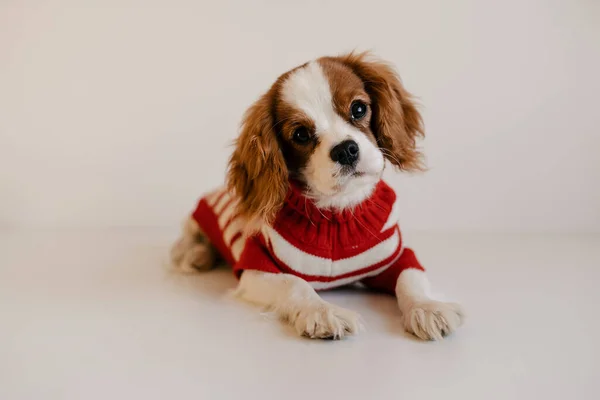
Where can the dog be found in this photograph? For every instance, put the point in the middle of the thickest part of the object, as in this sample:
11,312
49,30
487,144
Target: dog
305,207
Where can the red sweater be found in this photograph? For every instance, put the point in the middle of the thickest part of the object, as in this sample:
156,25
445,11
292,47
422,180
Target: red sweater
325,248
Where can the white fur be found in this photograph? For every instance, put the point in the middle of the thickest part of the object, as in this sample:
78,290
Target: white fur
189,254
293,300
426,318
307,89
290,297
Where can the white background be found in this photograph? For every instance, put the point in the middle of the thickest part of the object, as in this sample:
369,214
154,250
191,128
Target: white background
120,113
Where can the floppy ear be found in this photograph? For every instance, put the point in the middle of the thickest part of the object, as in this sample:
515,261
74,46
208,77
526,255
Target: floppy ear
396,122
257,171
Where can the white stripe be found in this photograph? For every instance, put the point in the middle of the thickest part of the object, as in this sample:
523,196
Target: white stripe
212,197
218,208
237,225
226,214
354,278
309,264
393,217
236,249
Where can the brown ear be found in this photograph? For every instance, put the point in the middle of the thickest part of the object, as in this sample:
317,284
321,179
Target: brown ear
257,171
396,122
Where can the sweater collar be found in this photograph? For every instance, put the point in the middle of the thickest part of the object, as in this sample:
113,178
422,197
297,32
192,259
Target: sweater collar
373,211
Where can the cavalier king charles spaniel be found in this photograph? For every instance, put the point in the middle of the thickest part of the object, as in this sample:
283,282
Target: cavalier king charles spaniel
305,207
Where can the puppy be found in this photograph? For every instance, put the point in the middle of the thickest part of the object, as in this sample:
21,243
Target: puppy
305,208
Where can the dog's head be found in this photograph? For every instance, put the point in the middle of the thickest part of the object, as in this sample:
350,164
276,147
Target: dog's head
328,124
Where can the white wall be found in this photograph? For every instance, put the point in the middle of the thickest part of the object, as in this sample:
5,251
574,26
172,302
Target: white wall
119,113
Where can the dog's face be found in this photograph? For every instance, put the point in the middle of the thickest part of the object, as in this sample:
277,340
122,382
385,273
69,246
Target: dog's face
328,124
323,117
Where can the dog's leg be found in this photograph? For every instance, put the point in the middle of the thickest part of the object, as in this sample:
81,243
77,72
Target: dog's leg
424,317
193,251
295,301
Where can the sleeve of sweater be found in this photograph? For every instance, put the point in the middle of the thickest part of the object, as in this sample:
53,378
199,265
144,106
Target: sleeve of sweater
255,256
386,280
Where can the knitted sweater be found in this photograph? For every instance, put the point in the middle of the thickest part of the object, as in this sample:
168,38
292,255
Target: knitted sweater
325,248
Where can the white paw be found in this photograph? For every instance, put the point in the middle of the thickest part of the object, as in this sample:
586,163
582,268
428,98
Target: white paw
178,250
432,320
325,321
194,257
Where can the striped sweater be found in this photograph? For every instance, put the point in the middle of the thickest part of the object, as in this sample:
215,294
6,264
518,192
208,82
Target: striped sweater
325,248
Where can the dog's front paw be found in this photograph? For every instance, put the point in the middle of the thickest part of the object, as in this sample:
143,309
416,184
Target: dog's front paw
325,321
432,320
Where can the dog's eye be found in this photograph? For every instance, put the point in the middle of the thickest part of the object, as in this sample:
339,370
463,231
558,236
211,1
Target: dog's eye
301,135
358,110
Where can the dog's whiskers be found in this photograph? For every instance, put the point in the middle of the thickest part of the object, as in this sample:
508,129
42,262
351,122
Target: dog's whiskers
389,154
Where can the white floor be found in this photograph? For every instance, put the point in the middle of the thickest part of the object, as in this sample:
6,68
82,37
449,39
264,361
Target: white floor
97,315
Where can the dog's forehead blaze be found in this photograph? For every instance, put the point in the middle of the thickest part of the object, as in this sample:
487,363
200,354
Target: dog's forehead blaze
310,95
318,87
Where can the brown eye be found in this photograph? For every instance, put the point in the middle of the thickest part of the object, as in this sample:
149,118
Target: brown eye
358,110
301,135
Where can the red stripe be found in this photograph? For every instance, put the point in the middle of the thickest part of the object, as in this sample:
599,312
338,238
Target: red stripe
219,197
208,222
229,221
227,204
340,253
319,278
235,239
334,252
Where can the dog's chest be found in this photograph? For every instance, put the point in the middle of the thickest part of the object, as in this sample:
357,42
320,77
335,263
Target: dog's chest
329,250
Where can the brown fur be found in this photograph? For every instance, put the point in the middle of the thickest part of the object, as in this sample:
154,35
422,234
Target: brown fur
346,87
266,156
288,120
396,121
258,174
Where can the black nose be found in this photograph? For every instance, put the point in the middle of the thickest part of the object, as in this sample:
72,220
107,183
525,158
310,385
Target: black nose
345,153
